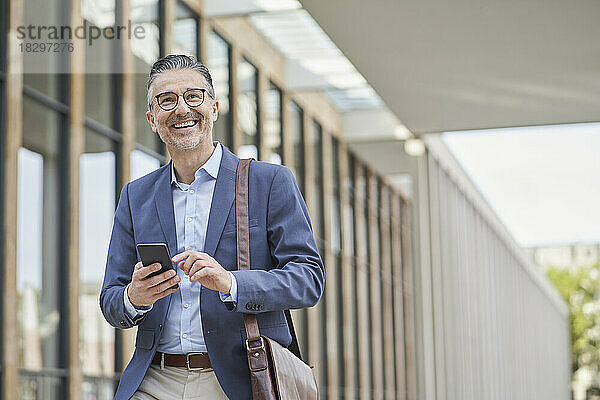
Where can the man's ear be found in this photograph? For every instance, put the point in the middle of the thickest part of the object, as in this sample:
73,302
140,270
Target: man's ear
151,121
215,110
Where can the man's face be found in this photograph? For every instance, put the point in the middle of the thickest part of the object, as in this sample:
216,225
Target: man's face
184,127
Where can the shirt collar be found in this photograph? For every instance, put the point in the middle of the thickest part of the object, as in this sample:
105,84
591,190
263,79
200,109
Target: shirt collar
211,166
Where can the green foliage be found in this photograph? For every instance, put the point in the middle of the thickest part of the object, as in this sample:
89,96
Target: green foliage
581,290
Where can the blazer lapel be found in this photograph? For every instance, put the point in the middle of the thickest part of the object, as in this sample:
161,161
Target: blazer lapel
163,199
222,200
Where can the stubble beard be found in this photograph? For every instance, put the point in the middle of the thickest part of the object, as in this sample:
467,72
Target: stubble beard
188,141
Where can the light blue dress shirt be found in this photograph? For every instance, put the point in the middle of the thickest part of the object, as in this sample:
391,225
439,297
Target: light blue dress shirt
182,332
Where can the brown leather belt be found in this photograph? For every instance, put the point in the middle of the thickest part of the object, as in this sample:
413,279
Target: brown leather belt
191,361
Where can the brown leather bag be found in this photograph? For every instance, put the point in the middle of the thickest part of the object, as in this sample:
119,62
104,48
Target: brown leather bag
275,372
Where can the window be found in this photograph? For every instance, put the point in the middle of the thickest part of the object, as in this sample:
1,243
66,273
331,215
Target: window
101,96
185,31
42,69
141,164
219,54
336,240
97,180
317,209
247,109
144,13
41,264
272,144
296,126
351,245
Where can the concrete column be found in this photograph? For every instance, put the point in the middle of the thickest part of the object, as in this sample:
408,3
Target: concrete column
375,284
13,141
409,311
128,127
347,274
386,287
330,270
398,289
364,337
234,88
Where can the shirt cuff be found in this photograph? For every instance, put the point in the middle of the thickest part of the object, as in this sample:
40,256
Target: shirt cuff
230,297
131,310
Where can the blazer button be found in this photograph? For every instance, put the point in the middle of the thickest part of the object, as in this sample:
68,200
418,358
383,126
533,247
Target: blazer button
248,306
123,323
260,307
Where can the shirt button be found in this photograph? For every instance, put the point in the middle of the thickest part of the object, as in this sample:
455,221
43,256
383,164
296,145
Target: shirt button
185,335
192,191
186,305
189,219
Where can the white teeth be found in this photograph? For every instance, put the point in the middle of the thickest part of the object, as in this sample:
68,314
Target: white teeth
185,124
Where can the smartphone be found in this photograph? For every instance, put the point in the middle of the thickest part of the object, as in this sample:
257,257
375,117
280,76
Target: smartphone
151,253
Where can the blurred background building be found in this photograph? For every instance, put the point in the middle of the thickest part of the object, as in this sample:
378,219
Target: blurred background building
427,294
566,256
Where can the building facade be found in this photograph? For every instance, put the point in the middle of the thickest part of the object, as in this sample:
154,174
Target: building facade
391,324
72,140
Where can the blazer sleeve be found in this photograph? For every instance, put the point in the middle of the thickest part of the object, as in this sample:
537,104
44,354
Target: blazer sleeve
298,279
121,259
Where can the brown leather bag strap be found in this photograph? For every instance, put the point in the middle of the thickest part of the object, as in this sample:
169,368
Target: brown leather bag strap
243,252
243,237
241,214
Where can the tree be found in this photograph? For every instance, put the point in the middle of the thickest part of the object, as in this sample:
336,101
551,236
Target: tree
580,288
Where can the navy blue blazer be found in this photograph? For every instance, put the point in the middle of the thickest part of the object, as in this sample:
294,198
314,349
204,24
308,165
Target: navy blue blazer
286,269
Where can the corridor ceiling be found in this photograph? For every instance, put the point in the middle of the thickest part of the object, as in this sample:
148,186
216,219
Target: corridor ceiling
472,64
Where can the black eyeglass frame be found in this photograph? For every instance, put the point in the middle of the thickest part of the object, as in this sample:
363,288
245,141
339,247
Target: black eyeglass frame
204,92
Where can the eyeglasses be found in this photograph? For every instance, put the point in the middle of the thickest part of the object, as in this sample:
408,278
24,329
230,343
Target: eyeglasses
192,97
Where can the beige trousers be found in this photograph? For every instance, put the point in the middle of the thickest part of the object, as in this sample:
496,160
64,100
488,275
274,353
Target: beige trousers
174,383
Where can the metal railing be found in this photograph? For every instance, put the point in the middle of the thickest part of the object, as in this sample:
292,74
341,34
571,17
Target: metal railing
50,384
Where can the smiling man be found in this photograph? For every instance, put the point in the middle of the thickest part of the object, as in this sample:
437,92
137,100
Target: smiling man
191,339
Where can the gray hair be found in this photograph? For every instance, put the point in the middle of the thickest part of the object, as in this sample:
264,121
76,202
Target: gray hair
178,61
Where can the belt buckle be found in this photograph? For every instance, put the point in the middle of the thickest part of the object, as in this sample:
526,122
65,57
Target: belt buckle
187,362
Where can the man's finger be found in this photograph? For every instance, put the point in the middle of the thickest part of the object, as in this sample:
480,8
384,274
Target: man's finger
155,280
145,271
196,266
166,285
166,293
138,266
189,262
181,256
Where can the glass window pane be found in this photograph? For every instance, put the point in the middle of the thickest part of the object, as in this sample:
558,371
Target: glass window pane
272,135
144,13
100,97
39,280
218,65
296,127
348,212
41,69
97,179
141,164
335,200
247,109
99,12
317,217
185,31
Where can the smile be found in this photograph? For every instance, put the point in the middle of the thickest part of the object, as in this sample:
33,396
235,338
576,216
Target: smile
185,124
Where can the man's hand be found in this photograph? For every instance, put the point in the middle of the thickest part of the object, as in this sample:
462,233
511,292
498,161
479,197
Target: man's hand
144,291
206,270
